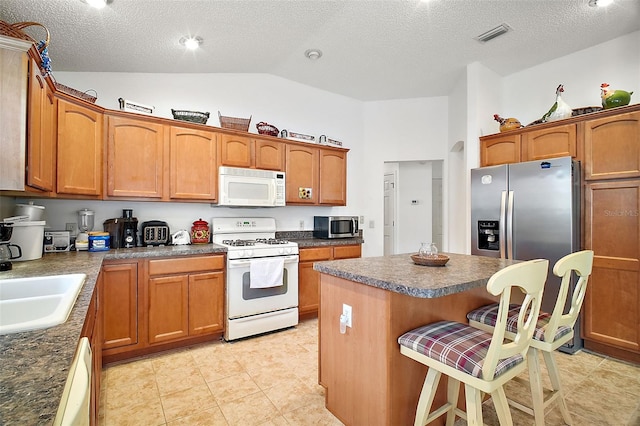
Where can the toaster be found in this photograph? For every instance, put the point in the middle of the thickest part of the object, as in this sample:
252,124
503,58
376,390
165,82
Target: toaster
155,233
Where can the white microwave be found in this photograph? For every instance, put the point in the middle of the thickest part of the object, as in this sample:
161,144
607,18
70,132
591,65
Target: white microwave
250,187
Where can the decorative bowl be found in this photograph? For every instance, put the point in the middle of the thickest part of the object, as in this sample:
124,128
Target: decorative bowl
438,260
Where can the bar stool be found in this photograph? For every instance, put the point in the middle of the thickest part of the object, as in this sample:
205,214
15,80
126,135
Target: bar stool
552,331
483,361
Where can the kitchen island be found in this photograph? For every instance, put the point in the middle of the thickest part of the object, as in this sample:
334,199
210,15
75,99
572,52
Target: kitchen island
367,380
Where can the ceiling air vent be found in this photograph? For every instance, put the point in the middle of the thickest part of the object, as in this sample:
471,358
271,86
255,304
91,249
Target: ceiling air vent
493,33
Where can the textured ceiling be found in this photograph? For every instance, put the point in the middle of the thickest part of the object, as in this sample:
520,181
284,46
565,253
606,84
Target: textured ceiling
372,49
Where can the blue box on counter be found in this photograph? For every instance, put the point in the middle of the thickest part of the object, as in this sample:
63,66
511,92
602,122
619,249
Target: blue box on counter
99,241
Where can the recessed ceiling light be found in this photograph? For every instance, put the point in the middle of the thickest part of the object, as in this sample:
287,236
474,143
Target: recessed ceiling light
313,54
98,4
600,3
191,43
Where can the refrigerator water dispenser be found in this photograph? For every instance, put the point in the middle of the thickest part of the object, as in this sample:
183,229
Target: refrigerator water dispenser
489,235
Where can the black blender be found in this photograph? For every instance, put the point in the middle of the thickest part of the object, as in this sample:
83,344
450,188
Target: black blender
129,229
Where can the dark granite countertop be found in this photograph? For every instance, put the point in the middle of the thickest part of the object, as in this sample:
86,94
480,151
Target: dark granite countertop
305,239
398,273
34,364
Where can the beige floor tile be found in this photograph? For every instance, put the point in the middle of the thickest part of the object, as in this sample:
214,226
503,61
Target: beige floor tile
178,360
215,369
255,409
601,402
313,414
142,413
233,387
179,379
277,375
187,402
210,417
293,395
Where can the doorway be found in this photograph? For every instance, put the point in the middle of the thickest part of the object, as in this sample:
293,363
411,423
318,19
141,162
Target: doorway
413,205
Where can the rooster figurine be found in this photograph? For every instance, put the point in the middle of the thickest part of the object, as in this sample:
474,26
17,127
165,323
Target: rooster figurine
614,98
559,110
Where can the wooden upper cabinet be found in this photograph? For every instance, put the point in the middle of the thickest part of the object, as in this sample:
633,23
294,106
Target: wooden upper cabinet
269,155
192,164
557,141
79,157
333,177
240,151
41,145
302,174
500,149
135,158
235,151
612,147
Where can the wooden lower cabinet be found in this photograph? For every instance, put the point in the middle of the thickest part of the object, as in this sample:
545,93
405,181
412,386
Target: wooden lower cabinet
611,320
119,305
309,280
186,297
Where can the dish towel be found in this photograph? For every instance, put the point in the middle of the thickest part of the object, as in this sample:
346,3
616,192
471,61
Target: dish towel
267,272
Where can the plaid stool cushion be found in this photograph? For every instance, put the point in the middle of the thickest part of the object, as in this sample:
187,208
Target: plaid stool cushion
488,314
457,345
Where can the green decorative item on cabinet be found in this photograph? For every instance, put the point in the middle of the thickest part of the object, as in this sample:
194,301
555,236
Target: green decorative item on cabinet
614,98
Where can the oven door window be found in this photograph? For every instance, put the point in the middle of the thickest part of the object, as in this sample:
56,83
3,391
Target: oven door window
249,293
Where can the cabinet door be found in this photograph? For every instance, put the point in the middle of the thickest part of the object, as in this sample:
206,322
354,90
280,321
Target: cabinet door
612,304
92,329
612,147
41,145
557,141
302,174
79,159
500,149
135,161
168,308
269,155
119,305
333,177
206,303
235,151
309,280
193,164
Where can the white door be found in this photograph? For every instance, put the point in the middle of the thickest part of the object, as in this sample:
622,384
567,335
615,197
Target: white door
389,213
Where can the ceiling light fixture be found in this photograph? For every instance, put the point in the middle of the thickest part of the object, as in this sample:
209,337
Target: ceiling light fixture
600,3
191,43
313,54
97,4
493,33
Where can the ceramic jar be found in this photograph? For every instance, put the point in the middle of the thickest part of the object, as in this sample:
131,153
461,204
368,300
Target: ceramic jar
200,232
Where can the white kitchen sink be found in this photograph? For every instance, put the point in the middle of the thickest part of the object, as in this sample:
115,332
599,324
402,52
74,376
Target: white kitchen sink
37,302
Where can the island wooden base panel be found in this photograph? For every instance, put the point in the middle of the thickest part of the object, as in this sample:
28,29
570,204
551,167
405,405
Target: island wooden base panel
612,351
368,380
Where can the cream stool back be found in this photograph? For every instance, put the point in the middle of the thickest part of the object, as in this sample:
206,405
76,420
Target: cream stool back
483,361
552,331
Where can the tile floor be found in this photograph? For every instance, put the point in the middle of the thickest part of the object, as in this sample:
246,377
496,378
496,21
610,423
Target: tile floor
272,380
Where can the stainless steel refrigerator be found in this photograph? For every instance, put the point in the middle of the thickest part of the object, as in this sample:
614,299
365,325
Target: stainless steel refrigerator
526,211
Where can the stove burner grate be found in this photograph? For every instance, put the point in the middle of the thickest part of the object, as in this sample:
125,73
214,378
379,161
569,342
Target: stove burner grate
239,243
271,241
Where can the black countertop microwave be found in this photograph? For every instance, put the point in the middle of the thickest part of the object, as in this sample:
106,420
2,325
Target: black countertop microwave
335,226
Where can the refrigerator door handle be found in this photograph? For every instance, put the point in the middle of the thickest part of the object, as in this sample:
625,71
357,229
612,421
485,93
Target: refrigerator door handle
510,226
502,224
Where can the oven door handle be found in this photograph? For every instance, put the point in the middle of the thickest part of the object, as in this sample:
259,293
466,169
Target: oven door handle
239,263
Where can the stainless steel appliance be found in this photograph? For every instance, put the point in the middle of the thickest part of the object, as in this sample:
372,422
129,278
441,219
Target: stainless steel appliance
335,226
251,187
525,211
255,304
155,233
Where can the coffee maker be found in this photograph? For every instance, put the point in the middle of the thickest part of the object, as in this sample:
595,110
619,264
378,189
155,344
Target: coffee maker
6,252
129,229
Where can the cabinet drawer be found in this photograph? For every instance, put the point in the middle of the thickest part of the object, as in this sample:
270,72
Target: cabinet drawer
347,252
185,264
316,253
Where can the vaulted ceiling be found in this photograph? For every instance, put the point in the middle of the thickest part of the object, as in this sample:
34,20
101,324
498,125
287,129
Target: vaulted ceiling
371,49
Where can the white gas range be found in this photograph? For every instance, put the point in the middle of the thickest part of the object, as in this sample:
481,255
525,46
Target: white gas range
262,276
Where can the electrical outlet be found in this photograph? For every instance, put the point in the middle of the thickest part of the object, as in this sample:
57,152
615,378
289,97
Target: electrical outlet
302,225
346,311
72,228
